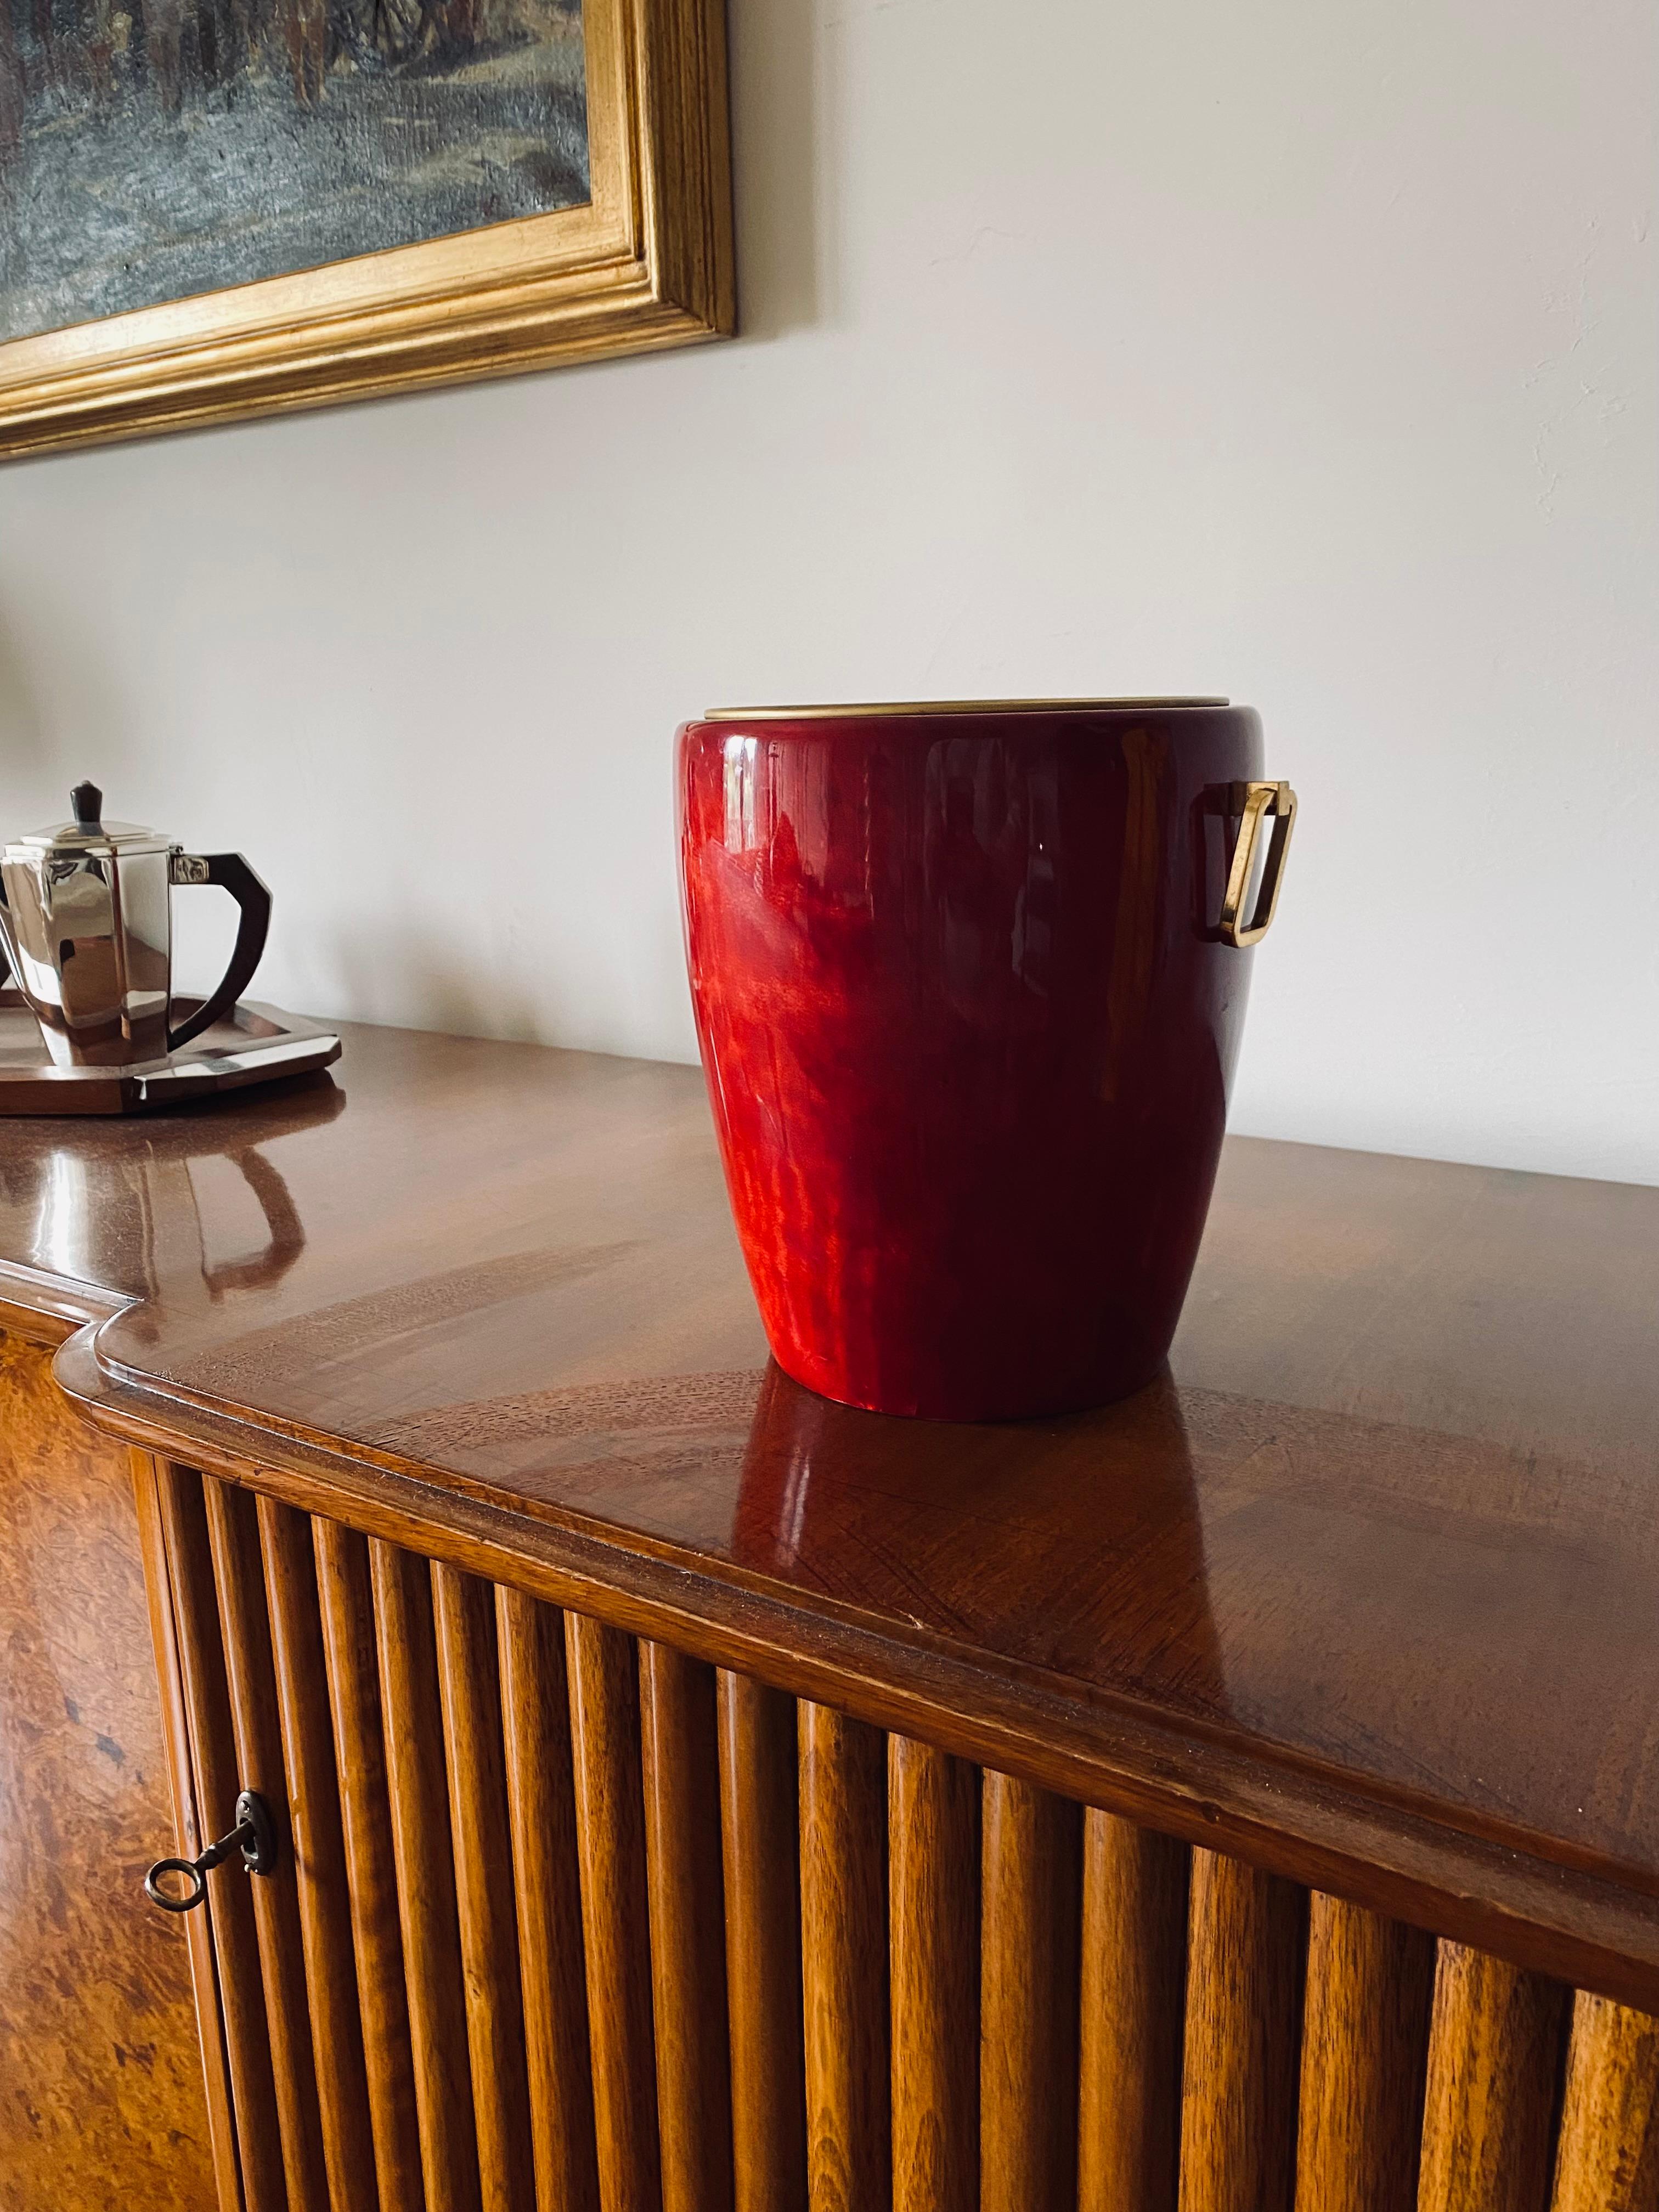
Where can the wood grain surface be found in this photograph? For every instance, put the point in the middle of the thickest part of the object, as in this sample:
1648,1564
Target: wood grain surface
191,1831
346,1606
681,1772
238,1574
933,1879
760,1833
469,1681
1609,2156
1247,1936
844,1973
547,1881
1411,1422
604,1736
1495,2058
422,1852
1133,2000
215,1762
1030,1895
314,1831
102,2083
1364,2049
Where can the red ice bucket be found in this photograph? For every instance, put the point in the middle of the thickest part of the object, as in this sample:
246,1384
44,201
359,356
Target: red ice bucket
970,983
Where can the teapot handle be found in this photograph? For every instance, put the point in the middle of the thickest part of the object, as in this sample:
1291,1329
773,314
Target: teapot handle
231,873
286,1237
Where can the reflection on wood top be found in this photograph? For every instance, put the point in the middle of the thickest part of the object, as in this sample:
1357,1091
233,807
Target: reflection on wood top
1369,1585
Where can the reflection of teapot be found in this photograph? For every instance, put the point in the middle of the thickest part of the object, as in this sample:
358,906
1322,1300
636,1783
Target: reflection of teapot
86,922
137,1218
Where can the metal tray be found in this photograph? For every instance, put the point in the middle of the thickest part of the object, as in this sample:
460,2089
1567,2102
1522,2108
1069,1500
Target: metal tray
255,1044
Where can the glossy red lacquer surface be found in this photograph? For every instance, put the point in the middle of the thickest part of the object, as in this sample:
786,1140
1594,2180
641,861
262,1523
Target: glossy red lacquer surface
968,1026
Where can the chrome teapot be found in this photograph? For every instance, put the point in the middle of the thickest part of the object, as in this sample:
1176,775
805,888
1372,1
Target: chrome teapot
85,923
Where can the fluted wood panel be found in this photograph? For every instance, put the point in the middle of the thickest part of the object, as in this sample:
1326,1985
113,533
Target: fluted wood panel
1608,2156
422,1852
189,1836
1133,1998
933,1846
469,1686
1238,2106
313,1808
230,1902
536,1715
843,1883
569,1922
760,1843
345,1605
1028,1994
604,1733
233,1532
681,1774
1364,2046
1495,2051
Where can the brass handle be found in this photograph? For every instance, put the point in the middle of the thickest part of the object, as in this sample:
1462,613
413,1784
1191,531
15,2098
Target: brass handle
1253,803
254,1836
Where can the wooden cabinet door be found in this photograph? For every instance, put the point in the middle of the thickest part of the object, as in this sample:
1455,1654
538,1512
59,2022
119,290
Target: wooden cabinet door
101,2092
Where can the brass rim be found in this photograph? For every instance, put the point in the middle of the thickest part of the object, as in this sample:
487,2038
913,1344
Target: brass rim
952,706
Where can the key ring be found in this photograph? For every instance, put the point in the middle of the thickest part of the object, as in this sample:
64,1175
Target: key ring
254,1836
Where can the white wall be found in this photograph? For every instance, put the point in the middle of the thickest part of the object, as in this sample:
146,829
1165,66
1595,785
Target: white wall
1301,352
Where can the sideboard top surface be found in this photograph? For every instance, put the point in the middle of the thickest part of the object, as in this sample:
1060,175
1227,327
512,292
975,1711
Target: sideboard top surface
1388,1529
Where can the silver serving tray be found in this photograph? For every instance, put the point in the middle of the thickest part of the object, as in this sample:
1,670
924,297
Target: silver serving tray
253,1044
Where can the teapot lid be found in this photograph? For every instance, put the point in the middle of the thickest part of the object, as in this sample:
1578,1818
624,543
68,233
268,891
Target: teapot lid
88,833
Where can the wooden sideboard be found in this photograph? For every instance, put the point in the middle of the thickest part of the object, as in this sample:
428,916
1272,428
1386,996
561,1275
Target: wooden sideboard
695,1796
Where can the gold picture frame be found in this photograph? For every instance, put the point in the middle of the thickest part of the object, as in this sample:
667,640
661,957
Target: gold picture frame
646,262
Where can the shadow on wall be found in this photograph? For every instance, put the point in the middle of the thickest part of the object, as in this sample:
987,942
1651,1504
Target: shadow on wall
50,740
22,744
776,80
406,975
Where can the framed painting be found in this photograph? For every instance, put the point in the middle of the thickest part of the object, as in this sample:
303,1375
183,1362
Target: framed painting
220,207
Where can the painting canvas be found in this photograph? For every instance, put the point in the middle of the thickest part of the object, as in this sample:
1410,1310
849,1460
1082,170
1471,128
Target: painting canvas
154,150
213,209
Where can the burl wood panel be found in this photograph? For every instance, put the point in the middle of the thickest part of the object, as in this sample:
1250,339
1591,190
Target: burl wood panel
101,2094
